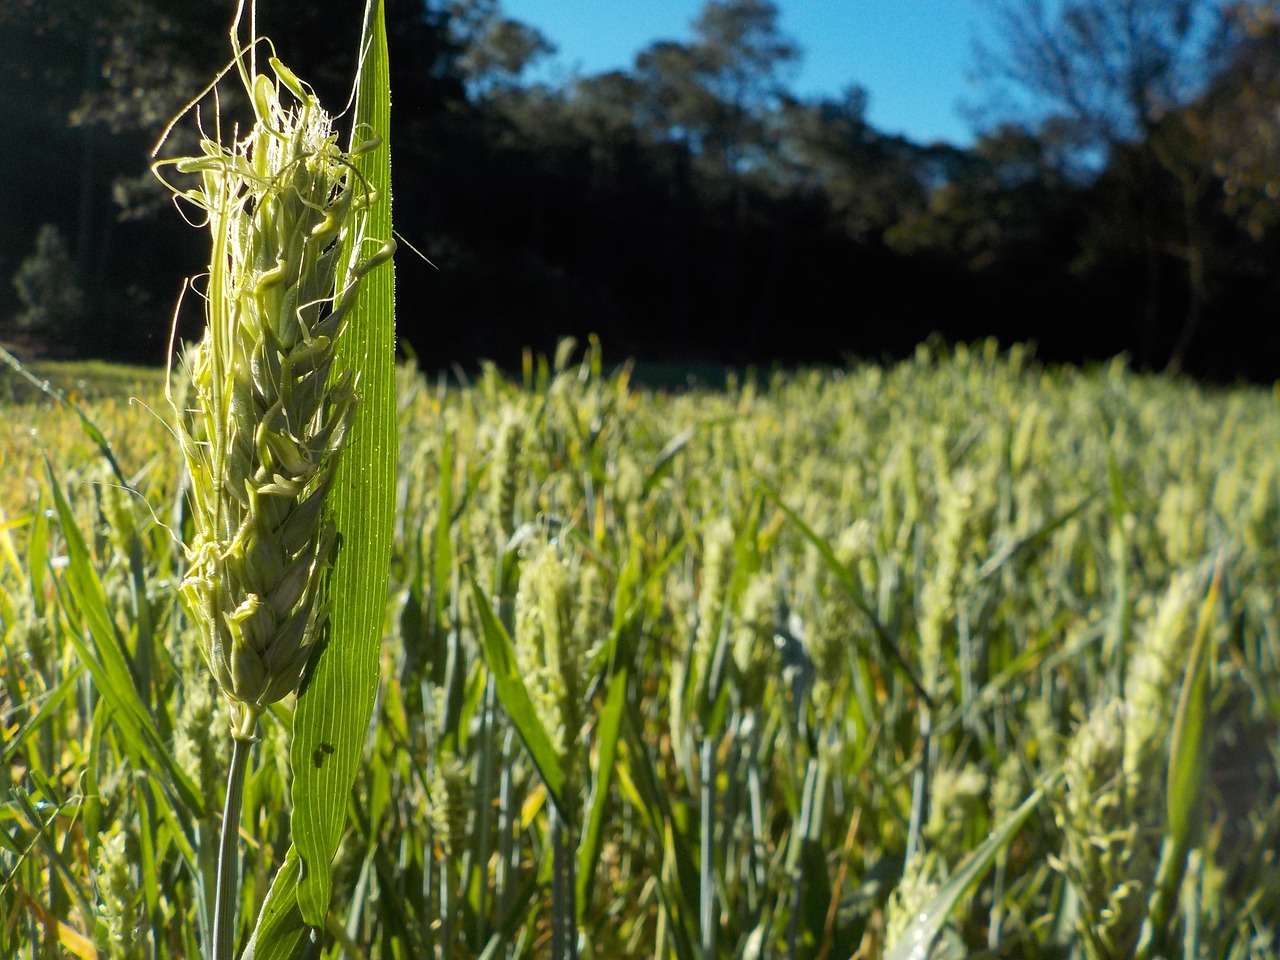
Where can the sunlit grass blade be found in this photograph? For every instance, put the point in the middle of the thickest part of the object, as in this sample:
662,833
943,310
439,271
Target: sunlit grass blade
74,941
45,838
38,557
1188,763
888,648
102,652
442,552
1118,548
917,940
610,725
679,882
500,657
667,456
1188,757
49,711
90,428
280,932
1036,537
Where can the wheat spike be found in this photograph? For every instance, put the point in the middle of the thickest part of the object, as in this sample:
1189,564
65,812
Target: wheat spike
269,414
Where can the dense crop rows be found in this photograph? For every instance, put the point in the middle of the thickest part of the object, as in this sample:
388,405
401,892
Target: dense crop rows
795,650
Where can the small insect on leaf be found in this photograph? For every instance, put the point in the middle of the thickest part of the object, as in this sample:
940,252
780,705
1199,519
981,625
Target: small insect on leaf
320,754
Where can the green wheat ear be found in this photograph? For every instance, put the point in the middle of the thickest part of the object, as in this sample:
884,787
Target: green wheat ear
268,413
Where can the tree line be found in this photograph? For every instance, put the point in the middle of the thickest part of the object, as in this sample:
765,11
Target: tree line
1122,195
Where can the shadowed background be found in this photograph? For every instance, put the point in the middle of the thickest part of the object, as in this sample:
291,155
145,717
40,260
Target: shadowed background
691,188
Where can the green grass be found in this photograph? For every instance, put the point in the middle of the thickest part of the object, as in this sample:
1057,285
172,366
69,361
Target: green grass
793,663
80,379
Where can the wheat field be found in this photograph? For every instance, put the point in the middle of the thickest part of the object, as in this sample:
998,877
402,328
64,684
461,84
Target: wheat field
959,657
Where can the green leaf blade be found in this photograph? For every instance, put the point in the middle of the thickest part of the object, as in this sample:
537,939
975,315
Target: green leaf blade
918,938
610,728
281,933
333,711
103,654
1188,754
499,655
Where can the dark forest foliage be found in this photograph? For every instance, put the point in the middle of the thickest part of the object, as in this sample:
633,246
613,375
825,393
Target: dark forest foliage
690,208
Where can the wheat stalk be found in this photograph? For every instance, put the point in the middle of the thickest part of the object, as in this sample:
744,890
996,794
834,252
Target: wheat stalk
268,414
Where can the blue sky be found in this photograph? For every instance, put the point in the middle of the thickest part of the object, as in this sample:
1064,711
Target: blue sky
911,55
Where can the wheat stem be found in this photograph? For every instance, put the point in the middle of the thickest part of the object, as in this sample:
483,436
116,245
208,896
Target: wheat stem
224,911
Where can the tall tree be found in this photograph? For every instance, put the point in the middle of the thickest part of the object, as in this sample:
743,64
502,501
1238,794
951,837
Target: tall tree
714,97
826,146
744,58
496,50
70,107
1241,118
714,93
1109,73
997,202
1112,68
86,86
